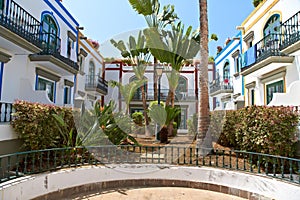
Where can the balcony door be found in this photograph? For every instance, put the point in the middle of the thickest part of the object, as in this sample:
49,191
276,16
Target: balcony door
271,31
91,74
181,90
1,6
50,34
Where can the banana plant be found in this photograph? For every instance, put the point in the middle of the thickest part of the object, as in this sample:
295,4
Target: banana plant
137,52
157,19
127,90
173,46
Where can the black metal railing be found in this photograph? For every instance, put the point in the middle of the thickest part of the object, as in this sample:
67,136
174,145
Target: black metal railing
266,47
221,84
33,162
96,82
180,95
51,45
290,31
18,20
6,110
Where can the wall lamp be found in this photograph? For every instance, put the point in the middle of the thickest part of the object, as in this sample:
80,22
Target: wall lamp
80,28
241,28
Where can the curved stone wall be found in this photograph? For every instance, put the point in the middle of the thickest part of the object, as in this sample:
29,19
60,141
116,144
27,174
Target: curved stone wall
56,185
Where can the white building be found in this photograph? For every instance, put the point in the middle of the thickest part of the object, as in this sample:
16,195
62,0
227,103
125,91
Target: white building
90,86
40,45
185,96
263,59
270,61
227,87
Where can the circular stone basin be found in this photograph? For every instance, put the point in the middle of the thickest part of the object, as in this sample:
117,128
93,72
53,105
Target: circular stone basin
166,193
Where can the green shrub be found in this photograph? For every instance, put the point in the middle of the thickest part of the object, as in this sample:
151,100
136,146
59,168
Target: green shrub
36,126
270,130
138,118
192,125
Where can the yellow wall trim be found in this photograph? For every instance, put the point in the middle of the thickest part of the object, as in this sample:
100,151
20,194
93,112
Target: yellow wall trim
260,16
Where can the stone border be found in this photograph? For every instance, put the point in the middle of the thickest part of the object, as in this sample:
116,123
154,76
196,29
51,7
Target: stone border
101,187
91,179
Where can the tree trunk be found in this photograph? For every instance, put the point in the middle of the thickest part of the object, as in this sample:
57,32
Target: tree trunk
155,80
172,100
203,115
147,132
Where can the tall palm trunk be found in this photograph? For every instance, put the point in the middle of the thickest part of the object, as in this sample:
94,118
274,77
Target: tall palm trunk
155,79
203,115
147,132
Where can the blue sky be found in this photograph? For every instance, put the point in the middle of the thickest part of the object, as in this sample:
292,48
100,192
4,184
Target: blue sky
106,19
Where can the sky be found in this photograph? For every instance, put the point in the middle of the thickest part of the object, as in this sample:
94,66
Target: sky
106,19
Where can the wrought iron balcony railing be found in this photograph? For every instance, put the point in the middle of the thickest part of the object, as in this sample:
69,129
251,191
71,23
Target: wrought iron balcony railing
95,82
184,95
19,21
266,47
290,31
221,85
51,46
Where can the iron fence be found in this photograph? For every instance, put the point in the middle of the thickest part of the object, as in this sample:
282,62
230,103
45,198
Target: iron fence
32,162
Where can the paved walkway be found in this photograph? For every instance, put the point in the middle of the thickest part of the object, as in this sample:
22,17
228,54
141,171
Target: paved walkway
163,193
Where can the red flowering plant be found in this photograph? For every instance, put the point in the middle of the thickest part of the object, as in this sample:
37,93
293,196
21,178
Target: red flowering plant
219,49
95,43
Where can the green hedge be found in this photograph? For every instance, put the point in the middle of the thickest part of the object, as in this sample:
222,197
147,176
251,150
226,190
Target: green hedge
36,125
270,130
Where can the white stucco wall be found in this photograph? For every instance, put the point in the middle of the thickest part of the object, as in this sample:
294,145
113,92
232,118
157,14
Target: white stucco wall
36,185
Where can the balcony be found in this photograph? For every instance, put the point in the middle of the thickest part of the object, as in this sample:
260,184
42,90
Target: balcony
188,95
96,83
50,56
291,34
19,28
221,86
263,53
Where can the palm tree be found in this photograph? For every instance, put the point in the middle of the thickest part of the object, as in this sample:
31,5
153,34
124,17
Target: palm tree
203,112
138,54
127,90
174,47
150,10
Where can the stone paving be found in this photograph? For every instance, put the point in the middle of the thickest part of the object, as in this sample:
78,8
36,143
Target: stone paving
160,193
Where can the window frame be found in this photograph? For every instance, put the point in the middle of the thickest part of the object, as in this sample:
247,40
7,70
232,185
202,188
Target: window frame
39,78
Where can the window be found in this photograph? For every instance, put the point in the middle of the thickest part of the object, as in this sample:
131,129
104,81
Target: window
272,25
248,39
236,58
272,88
1,6
46,81
237,64
251,96
47,85
67,91
70,45
226,72
81,59
67,95
50,34
181,90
